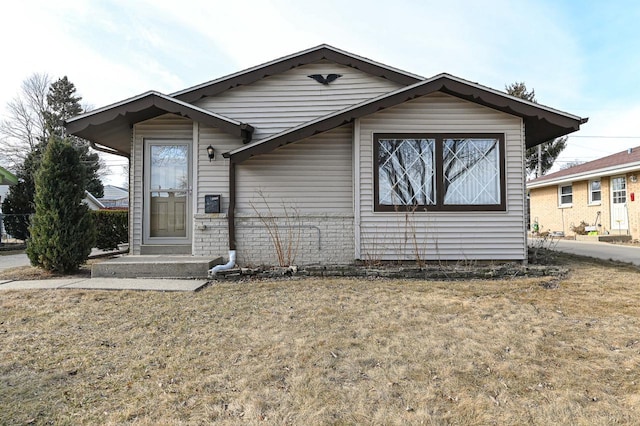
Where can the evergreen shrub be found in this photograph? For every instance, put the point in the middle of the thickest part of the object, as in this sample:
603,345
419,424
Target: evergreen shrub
62,230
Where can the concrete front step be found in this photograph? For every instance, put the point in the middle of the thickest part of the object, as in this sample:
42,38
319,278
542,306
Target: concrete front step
154,266
609,238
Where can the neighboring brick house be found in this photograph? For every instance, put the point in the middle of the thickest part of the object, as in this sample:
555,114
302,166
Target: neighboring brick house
601,193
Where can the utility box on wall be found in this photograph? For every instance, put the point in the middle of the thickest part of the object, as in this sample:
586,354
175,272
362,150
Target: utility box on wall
212,203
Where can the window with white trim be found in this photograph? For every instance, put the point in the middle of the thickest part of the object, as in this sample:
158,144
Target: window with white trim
595,192
565,195
439,172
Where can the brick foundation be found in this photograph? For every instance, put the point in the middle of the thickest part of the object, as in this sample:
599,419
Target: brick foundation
320,239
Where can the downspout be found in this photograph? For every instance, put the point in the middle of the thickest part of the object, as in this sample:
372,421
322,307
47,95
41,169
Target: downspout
231,222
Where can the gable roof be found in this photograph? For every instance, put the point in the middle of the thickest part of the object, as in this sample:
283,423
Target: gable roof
277,66
7,178
621,162
112,192
111,125
541,122
91,201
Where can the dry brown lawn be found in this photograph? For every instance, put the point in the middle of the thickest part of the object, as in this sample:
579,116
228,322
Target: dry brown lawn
328,351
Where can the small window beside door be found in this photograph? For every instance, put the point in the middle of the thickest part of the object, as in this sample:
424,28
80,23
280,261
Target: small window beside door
565,195
595,192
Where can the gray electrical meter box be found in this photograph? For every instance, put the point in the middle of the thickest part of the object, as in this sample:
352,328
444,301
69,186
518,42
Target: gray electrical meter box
212,203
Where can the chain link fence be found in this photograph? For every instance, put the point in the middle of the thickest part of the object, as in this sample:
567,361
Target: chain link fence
13,221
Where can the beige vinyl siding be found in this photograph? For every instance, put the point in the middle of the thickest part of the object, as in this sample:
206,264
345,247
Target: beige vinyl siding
444,235
313,175
282,101
165,127
213,176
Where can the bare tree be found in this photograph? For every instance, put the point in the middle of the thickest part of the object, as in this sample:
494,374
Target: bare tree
24,126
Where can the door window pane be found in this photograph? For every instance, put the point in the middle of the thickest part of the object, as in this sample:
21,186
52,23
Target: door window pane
168,195
619,190
169,167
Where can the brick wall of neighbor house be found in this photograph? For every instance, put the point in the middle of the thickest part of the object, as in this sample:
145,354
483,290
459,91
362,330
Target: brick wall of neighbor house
550,217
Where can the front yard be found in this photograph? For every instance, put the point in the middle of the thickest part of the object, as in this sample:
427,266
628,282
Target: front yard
328,351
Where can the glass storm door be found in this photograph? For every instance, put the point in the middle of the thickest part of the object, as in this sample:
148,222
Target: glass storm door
167,193
619,223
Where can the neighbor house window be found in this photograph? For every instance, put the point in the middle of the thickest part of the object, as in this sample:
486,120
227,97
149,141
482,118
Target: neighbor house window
565,195
595,193
439,172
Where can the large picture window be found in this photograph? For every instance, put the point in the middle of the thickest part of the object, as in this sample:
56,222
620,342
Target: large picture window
439,172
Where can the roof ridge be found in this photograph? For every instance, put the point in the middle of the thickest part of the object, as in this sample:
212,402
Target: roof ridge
284,63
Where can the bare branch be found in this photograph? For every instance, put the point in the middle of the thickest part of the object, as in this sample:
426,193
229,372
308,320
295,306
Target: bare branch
24,126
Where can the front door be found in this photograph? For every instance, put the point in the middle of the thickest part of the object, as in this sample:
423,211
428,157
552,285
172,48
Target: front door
167,190
619,223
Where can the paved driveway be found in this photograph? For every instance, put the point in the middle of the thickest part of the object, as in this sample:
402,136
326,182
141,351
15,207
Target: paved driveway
606,251
13,261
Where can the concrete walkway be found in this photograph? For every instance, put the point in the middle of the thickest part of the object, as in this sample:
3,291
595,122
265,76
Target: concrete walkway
8,261
599,250
19,260
106,284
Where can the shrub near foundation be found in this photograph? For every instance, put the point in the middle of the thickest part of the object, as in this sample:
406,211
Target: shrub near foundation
112,228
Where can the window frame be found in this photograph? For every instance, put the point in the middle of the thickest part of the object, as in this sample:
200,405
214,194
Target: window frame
560,195
593,202
439,173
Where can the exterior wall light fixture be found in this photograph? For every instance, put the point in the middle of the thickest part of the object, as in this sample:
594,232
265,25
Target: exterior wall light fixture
211,153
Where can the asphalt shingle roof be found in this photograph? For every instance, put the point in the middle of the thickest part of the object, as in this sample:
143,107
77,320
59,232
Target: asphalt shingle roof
619,159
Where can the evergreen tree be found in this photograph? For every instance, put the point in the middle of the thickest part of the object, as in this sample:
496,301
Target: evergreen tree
550,150
62,231
60,104
63,103
19,203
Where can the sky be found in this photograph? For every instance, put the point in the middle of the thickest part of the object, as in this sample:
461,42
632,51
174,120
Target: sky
582,57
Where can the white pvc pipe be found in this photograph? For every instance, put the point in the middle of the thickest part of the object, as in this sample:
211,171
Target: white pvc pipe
230,264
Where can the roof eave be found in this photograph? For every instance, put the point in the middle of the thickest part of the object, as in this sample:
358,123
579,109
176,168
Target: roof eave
542,123
606,171
92,124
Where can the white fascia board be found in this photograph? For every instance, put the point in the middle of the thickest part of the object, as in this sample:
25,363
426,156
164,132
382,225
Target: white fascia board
609,171
111,106
160,95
